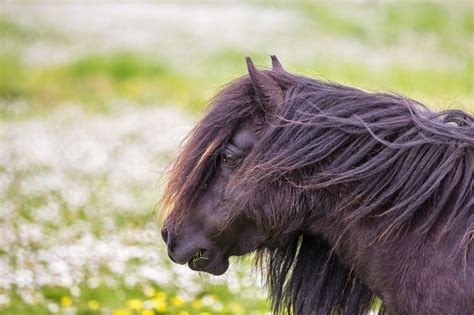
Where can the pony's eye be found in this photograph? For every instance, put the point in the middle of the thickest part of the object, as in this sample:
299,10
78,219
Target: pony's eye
230,160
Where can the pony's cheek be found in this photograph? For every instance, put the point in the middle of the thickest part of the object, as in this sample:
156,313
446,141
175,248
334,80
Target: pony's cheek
243,237
214,225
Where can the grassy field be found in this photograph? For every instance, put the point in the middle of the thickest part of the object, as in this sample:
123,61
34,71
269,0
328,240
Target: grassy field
95,99
422,50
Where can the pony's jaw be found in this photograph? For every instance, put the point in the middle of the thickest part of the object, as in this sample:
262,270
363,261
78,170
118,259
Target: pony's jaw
215,260
212,263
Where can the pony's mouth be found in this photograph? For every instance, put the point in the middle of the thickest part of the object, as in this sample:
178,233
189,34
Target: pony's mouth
199,259
202,260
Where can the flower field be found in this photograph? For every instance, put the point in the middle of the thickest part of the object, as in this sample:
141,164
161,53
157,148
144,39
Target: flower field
78,233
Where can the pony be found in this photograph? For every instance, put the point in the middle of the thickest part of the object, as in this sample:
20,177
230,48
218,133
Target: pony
352,202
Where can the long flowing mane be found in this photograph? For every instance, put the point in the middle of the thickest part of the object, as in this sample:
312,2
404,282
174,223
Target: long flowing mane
374,158
395,156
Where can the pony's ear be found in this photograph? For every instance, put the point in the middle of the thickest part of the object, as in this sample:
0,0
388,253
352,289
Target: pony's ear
276,64
267,92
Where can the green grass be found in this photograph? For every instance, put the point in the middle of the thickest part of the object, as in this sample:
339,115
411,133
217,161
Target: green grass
12,31
97,80
436,88
94,81
387,23
126,300
119,297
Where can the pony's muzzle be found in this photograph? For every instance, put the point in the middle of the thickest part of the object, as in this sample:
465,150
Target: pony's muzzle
167,239
164,234
178,254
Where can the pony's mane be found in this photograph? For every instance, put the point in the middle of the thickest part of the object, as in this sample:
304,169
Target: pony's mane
305,277
388,158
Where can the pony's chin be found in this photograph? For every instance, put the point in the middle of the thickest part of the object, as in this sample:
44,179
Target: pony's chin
215,266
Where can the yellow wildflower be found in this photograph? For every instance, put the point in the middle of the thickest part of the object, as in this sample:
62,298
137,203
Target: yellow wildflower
148,312
66,301
204,313
160,295
196,303
135,304
159,304
93,305
177,301
236,308
122,311
183,313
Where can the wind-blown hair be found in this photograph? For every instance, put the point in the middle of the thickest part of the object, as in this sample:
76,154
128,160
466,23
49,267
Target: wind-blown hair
390,157
197,161
329,150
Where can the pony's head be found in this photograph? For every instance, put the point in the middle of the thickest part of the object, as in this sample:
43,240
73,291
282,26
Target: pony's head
204,227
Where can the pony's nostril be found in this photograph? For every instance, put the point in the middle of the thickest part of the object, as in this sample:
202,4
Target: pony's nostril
171,257
164,234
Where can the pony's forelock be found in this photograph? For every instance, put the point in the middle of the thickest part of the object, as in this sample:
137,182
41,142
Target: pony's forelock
197,160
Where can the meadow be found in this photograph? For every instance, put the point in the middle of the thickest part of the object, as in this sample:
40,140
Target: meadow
95,99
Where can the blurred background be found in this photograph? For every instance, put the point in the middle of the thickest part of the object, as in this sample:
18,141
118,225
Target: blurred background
95,98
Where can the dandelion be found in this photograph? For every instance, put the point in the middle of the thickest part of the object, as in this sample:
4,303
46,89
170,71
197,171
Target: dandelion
93,305
160,295
236,308
66,301
147,312
177,301
122,311
159,304
135,304
196,304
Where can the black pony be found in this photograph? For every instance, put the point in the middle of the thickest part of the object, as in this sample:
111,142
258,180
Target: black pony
344,195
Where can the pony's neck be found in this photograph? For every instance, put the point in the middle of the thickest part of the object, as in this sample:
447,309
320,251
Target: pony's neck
392,270
376,265
351,245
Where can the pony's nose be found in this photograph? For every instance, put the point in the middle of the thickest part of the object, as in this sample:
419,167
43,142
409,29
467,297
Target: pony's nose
164,234
166,237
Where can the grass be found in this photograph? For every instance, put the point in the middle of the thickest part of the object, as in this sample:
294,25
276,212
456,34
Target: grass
436,88
12,30
83,239
97,80
451,24
125,300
